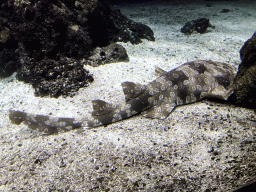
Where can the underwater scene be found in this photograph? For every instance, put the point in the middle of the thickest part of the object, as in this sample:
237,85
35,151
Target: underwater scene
127,96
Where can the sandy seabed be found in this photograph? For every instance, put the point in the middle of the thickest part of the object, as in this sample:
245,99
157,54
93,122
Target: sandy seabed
191,131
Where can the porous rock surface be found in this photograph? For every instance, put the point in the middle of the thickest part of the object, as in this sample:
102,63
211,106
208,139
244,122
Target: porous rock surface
8,57
198,25
245,81
46,34
108,54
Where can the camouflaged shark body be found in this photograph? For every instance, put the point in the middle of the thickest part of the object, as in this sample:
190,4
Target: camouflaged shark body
185,84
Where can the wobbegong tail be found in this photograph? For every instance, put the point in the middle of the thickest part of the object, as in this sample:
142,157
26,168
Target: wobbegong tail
48,125
102,115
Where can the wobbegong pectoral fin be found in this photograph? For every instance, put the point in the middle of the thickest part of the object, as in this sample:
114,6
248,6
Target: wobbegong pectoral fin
219,92
158,112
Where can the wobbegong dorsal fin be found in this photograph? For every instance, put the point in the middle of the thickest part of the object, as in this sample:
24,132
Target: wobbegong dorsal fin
159,71
132,90
102,108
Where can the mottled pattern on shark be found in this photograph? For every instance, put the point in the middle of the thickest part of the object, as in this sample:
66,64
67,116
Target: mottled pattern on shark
185,84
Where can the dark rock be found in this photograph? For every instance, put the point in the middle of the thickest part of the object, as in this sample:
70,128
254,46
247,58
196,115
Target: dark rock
245,81
248,52
4,34
129,30
109,54
199,25
51,31
9,59
225,10
54,78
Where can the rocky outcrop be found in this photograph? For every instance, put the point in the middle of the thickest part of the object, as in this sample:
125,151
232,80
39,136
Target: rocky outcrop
54,78
9,59
245,81
129,30
51,33
109,54
199,25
